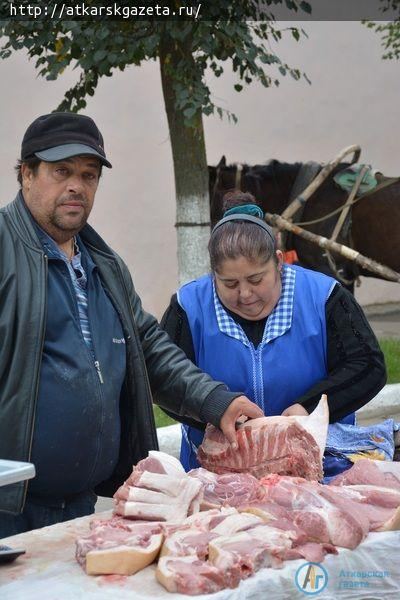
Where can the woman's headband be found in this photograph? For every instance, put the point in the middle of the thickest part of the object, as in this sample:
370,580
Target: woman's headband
238,216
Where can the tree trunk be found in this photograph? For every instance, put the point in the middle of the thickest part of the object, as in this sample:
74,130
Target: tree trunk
191,174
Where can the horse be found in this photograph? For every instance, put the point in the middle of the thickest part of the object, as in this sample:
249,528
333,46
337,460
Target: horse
373,228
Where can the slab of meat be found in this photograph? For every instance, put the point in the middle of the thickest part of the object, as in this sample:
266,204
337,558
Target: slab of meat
207,519
195,533
383,473
379,505
157,462
119,550
332,520
192,576
280,518
340,515
213,555
152,505
159,490
283,445
227,489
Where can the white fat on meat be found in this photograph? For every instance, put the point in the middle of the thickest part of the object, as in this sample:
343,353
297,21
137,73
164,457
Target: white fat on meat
209,518
117,550
166,507
165,494
170,464
157,462
158,489
248,551
283,445
237,522
194,535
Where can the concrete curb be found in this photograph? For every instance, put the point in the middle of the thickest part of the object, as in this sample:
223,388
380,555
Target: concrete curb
385,405
169,439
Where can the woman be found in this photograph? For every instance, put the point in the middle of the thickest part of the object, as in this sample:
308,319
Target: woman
282,334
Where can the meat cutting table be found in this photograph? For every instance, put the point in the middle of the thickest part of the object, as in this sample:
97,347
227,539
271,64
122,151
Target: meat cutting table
48,571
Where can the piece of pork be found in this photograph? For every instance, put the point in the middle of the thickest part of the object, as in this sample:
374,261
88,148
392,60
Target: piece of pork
115,550
194,533
248,551
379,505
281,518
284,445
191,576
384,473
158,489
332,520
227,489
152,505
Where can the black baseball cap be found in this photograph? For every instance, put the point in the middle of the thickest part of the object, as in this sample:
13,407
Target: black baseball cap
61,135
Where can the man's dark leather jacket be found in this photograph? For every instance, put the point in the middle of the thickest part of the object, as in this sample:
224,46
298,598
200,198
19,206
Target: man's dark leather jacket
180,386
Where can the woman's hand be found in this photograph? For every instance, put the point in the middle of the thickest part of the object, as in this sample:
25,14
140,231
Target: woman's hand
238,408
295,410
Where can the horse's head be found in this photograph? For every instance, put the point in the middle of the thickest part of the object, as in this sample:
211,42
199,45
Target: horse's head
270,184
222,178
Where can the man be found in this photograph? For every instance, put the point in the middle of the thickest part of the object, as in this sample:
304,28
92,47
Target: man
79,356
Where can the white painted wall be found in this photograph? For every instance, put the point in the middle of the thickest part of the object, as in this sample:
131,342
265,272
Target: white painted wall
354,98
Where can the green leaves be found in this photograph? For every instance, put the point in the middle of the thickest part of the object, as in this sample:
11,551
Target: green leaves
239,34
389,31
99,55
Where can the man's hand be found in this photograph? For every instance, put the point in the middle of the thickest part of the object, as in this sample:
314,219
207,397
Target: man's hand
239,407
295,409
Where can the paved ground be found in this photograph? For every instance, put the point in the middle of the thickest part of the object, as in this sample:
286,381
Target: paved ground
385,325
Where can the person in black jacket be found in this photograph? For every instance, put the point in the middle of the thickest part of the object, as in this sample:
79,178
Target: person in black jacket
79,356
282,333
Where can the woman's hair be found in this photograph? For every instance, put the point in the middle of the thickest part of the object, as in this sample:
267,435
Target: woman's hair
240,238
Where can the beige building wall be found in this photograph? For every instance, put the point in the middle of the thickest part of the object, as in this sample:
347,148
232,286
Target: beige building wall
354,98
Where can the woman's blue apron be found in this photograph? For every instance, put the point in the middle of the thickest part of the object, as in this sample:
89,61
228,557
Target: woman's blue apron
290,359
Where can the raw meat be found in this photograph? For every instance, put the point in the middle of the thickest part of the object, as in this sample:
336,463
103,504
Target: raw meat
340,515
159,490
157,462
379,505
188,542
338,523
228,489
151,505
248,551
383,473
190,575
195,533
280,518
257,523
116,550
214,555
283,445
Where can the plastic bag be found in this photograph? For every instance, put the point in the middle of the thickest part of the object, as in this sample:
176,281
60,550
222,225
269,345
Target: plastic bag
348,443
